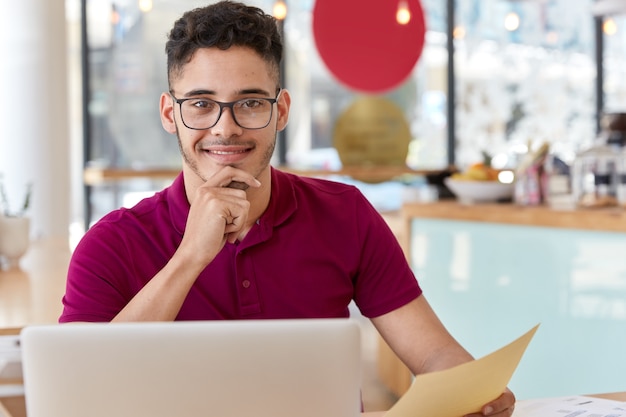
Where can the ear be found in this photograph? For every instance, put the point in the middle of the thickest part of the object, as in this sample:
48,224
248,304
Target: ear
283,104
166,107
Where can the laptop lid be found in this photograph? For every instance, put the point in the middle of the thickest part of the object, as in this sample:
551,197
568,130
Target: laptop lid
277,368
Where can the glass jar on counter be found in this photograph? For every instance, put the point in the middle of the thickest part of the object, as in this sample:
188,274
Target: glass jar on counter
595,176
599,173
557,183
621,179
615,127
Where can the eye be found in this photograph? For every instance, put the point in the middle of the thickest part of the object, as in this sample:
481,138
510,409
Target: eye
201,103
251,103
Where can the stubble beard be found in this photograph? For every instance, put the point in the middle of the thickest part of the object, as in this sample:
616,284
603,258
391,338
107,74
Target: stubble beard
192,163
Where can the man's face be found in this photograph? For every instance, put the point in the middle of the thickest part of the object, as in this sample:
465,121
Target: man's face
225,76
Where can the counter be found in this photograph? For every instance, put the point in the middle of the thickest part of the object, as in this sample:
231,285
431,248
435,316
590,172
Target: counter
610,219
491,269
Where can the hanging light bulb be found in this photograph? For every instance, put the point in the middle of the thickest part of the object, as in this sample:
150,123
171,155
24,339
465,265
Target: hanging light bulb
145,5
511,22
609,27
403,15
280,10
459,32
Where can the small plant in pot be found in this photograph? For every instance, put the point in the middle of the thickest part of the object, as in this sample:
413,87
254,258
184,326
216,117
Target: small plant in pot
14,229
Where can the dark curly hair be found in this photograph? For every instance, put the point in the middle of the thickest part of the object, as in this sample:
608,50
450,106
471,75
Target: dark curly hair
223,25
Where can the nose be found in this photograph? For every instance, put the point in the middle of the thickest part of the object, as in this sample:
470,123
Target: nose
226,125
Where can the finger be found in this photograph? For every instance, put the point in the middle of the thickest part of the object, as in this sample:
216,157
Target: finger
238,185
231,237
233,230
501,406
235,220
238,182
233,178
232,210
227,216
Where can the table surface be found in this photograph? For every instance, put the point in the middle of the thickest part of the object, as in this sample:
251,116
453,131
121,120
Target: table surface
15,407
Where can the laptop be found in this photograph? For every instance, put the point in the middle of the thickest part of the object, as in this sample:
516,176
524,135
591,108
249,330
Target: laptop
260,368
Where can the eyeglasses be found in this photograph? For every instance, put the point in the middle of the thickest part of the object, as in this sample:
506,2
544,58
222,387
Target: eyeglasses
200,113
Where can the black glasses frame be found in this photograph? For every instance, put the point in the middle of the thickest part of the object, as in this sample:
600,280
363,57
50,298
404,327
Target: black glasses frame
228,105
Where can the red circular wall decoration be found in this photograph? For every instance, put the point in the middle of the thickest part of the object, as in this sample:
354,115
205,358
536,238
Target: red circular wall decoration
364,46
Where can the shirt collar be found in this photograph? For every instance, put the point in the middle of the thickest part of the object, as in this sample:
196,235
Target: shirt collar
283,202
178,204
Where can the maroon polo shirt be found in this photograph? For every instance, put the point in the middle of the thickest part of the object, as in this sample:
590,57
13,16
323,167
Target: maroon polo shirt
318,246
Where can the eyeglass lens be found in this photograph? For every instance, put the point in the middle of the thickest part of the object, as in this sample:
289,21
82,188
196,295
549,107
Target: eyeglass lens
250,113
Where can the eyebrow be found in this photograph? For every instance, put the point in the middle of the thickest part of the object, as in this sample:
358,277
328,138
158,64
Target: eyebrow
199,92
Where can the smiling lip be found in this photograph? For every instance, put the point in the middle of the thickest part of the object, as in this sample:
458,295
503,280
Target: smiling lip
217,152
228,154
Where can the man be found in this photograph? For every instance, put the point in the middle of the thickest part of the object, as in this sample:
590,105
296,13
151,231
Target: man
234,238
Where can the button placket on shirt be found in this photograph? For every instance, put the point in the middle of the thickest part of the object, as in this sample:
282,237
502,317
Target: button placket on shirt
249,302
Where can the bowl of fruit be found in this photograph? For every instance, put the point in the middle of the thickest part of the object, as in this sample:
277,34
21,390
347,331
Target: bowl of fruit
479,183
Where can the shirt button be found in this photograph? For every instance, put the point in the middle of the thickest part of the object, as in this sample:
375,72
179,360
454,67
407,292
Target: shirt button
245,283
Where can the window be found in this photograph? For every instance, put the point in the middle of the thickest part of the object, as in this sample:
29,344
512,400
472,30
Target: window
614,32
525,74
523,71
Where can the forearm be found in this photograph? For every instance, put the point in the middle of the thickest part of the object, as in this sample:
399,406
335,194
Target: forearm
424,345
419,339
162,297
445,357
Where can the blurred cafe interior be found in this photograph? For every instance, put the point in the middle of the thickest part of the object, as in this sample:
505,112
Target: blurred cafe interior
493,144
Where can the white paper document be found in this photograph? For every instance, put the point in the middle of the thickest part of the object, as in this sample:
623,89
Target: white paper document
574,406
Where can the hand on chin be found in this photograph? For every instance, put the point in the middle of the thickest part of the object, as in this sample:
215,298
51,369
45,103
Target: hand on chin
238,185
